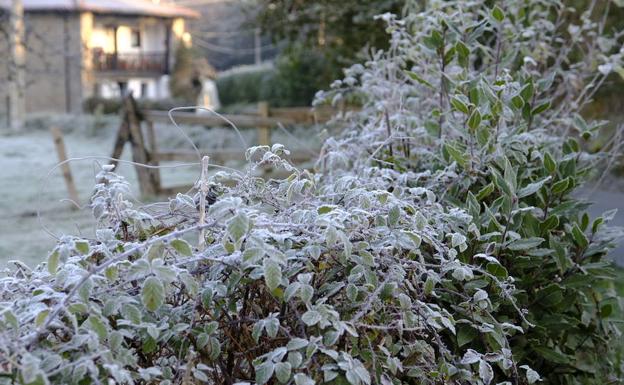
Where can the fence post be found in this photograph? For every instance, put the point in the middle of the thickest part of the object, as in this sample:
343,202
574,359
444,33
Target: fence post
139,153
153,150
264,131
59,143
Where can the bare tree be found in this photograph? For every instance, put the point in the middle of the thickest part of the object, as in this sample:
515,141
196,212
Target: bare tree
16,66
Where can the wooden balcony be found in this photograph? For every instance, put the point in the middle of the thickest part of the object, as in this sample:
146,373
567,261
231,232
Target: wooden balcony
134,63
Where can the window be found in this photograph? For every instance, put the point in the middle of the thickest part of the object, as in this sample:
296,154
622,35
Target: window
144,90
135,38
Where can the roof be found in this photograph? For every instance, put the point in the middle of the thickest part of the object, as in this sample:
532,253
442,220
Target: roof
110,7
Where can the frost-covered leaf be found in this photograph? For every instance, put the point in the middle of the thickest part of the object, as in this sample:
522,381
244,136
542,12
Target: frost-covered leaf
272,273
182,247
238,226
485,372
302,379
283,371
152,294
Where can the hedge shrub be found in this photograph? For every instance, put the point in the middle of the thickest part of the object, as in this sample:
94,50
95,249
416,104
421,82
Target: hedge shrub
438,241
294,80
244,85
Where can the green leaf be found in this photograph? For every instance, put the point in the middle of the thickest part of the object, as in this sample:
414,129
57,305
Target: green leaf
393,216
456,155
579,237
53,262
253,254
459,105
419,79
550,296
155,251
525,243
283,371
561,186
550,223
501,183
465,335
497,270
297,343
596,224
463,53
264,372
527,92
552,355
475,119
311,317
238,226
498,14
11,319
606,310
272,273
97,325
182,247
41,317
302,379
485,191
152,294
532,188
82,247
541,108
429,286
131,313
549,163
191,285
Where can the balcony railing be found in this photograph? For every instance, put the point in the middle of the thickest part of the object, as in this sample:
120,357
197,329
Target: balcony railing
141,62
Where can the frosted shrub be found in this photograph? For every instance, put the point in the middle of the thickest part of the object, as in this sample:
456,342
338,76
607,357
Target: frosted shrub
437,243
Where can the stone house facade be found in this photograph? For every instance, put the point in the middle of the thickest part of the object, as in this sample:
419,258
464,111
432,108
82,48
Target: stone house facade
76,49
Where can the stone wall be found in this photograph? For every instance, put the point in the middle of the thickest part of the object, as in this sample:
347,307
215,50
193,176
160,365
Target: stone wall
53,62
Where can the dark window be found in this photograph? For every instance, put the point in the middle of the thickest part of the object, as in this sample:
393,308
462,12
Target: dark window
135,38
144,90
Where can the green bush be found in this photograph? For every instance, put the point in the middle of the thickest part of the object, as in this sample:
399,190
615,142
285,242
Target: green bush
245,85
438,242
297,76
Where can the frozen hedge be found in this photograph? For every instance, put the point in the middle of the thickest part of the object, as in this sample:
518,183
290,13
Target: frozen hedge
438,241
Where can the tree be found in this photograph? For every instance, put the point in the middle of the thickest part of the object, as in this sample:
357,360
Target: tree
335,29
188,74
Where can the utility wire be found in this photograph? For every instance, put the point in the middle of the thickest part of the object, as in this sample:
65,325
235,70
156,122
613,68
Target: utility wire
228,50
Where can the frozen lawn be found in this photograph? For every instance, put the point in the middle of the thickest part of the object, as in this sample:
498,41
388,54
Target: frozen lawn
25,159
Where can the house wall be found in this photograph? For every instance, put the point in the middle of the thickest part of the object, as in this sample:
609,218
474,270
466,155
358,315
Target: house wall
154,40
59,72
53,62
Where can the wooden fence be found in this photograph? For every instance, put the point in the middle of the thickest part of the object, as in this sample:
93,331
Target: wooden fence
136,123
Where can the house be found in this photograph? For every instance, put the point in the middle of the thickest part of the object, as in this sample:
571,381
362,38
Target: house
77,49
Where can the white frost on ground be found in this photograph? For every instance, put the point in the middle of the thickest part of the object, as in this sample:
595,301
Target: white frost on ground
26,158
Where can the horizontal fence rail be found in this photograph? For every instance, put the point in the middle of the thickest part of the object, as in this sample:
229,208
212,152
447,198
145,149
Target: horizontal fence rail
263,120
